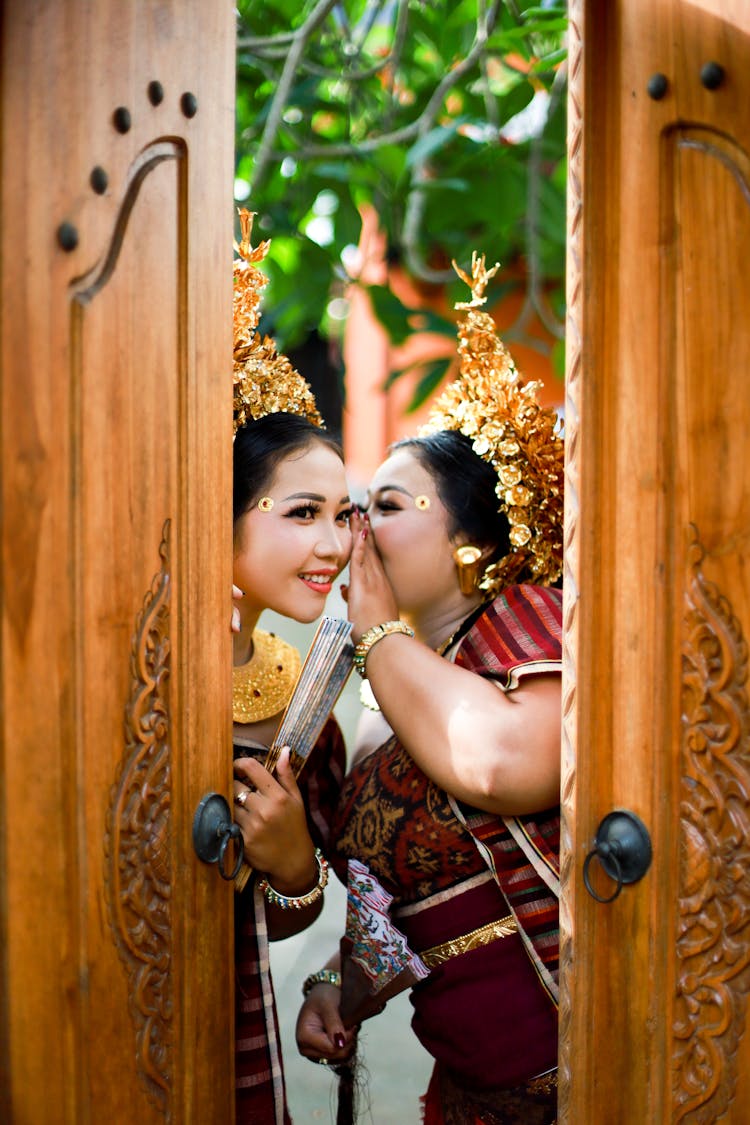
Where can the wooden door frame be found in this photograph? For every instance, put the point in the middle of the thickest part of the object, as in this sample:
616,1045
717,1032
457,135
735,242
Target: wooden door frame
592,371
574,362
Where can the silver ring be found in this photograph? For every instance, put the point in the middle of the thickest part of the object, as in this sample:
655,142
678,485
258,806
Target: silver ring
242,796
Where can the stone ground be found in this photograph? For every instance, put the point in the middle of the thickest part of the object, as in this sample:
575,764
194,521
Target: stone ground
398,1068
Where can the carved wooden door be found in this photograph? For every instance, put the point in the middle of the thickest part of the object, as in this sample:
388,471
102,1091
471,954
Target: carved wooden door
657,600
115,473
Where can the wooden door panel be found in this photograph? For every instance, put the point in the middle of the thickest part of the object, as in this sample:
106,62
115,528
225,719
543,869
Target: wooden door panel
115,417
128,400
710,404
657,587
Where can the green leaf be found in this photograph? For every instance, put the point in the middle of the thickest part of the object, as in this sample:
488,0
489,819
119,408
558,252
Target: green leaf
425,320
392,314
545,10
340,170
509,38
432,142
434,374
558,358
449,184
390,160
548,62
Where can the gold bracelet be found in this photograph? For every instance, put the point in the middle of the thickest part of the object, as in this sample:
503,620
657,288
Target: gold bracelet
297,902
372,636
323,976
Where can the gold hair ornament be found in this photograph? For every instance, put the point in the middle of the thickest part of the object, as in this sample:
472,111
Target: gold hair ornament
499,412
264,381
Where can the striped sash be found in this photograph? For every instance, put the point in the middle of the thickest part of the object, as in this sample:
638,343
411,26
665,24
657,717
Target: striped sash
521,632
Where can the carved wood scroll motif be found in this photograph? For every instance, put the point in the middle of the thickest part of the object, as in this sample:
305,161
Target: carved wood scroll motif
573,392
137,864
713,939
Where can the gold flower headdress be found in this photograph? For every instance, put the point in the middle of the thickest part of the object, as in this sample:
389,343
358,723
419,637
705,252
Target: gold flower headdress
499,412
264,381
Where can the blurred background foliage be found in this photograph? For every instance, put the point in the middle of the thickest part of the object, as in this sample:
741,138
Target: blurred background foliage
445,118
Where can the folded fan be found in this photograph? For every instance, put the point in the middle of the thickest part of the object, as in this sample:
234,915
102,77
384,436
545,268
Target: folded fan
319,684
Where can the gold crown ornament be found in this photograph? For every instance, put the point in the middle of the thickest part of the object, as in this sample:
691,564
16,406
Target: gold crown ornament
264,381
522,441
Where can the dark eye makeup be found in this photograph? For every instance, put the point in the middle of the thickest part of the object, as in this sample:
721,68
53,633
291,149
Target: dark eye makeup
303,511
311,509
380,504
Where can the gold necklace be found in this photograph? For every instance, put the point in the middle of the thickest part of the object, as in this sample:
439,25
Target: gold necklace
263,686
461,629
443,648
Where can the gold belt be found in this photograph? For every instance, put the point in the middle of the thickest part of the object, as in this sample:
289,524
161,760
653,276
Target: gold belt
504,927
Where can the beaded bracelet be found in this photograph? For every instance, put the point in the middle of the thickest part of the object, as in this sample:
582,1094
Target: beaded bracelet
323,976
297,902
372,636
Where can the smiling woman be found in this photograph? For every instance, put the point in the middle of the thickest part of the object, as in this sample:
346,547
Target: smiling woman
291,513
291,538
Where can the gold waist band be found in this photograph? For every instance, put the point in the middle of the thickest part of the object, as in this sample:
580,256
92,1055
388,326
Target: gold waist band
485,935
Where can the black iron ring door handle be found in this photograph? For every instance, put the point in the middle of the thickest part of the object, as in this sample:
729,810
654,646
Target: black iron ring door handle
623,848
213,831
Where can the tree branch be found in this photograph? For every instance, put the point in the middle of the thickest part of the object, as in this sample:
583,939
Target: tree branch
301,36
416,200
255,42
414,129
535,300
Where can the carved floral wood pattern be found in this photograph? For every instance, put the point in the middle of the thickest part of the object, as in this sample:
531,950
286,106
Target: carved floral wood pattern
713,940
137,866
570,584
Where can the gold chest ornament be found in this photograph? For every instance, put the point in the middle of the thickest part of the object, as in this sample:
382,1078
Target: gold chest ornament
263,686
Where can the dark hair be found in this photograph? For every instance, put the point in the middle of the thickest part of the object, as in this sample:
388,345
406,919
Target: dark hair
259,447
466,486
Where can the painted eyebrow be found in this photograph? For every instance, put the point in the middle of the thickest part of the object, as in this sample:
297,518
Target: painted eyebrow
313,496
393,488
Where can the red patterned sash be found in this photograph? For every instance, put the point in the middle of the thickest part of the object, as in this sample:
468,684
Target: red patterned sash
521,631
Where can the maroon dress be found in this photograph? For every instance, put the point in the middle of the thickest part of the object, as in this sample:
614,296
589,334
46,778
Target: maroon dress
417,880
260,1096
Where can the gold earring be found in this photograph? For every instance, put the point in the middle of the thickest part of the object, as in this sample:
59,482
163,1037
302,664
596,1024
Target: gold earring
467,559
265,504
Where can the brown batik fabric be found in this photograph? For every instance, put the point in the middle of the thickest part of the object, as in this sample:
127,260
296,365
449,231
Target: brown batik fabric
532,1103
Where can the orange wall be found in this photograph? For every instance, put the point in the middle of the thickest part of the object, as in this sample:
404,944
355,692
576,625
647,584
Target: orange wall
373,418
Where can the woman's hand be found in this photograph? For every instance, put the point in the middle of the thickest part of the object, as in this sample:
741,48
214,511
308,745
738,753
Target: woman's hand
320,1032
369,596
273,824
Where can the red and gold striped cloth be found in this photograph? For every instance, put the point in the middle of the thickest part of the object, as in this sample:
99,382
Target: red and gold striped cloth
520,633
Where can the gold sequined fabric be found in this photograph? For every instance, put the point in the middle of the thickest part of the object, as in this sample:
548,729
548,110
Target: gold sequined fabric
482,936
490,404
263,687
265,382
